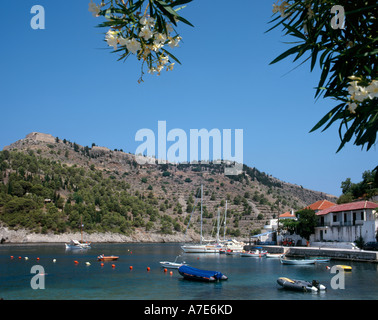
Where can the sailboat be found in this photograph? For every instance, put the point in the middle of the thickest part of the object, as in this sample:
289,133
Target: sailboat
203,248
75,244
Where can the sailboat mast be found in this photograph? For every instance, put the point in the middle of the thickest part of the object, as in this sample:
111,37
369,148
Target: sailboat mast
225,217
218,226
81,228
201,212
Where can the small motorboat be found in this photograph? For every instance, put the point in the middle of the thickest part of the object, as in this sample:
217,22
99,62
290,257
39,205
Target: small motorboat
274,255
300,285
191,273
344,267
297,261
254,254
172,265
107,258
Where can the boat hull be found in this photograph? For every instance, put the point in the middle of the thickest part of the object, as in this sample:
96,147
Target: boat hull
201,249
171,265
191,273
297,262
107,258
300,285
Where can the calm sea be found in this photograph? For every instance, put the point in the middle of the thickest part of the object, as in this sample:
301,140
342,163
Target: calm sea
249,278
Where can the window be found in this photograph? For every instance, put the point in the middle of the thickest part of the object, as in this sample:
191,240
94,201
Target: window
334,217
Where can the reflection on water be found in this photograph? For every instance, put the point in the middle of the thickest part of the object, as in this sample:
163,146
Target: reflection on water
249,278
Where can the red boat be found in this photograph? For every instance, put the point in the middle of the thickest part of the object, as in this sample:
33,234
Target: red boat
107,258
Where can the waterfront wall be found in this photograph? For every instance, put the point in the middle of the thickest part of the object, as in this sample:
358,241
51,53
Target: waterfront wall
333,253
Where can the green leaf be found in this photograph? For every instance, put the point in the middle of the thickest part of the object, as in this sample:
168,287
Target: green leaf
287,53
171,55
326,118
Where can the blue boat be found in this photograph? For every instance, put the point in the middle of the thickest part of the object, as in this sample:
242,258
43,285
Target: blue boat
201,275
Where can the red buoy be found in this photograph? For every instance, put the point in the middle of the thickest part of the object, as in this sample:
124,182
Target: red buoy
76,262
113,265
148,268
131,267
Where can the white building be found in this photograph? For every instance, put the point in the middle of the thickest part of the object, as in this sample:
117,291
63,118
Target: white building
347,222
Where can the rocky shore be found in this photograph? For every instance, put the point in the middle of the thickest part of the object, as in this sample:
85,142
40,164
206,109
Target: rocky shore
139,235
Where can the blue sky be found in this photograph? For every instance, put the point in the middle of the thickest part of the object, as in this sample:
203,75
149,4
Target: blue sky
64,81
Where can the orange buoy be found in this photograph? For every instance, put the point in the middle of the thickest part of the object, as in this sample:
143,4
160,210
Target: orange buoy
170,272
76,262
113,265
37,258
148,268
101,264
131,267
165,270
11,257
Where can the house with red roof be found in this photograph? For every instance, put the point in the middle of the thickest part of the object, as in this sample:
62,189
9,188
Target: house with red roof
348,221
288,215
320,205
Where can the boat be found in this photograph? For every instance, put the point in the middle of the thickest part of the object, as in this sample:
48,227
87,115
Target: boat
320,259
203,248
300,285
344,267
75,244
274,255
191,273
231,252
172,265
297,261
107,258
258,253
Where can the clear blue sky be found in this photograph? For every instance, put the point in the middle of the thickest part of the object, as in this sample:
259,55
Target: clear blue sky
64,81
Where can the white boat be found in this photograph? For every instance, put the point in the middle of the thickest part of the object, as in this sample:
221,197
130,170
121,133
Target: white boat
274,255
254,254
203,248
172,265
297,262
75,244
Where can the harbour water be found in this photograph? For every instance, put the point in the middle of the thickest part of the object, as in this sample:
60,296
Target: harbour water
249,278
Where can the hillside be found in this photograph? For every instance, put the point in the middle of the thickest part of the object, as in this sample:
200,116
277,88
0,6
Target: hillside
48,184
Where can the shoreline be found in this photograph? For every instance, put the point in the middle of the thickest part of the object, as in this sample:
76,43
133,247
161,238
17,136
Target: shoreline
22,236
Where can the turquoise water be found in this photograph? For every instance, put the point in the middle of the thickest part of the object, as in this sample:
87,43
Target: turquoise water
249,278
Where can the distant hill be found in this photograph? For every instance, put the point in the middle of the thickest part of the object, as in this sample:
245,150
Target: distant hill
48,184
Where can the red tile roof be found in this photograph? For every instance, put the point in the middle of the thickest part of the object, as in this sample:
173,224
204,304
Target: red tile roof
287,215
349,207
320,205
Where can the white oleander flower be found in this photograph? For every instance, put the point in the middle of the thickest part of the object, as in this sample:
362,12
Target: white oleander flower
131,44
164,59
146,33
361,95
94,8
352,107
112,39
160,38
372,89
174,42
148,22
281,8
